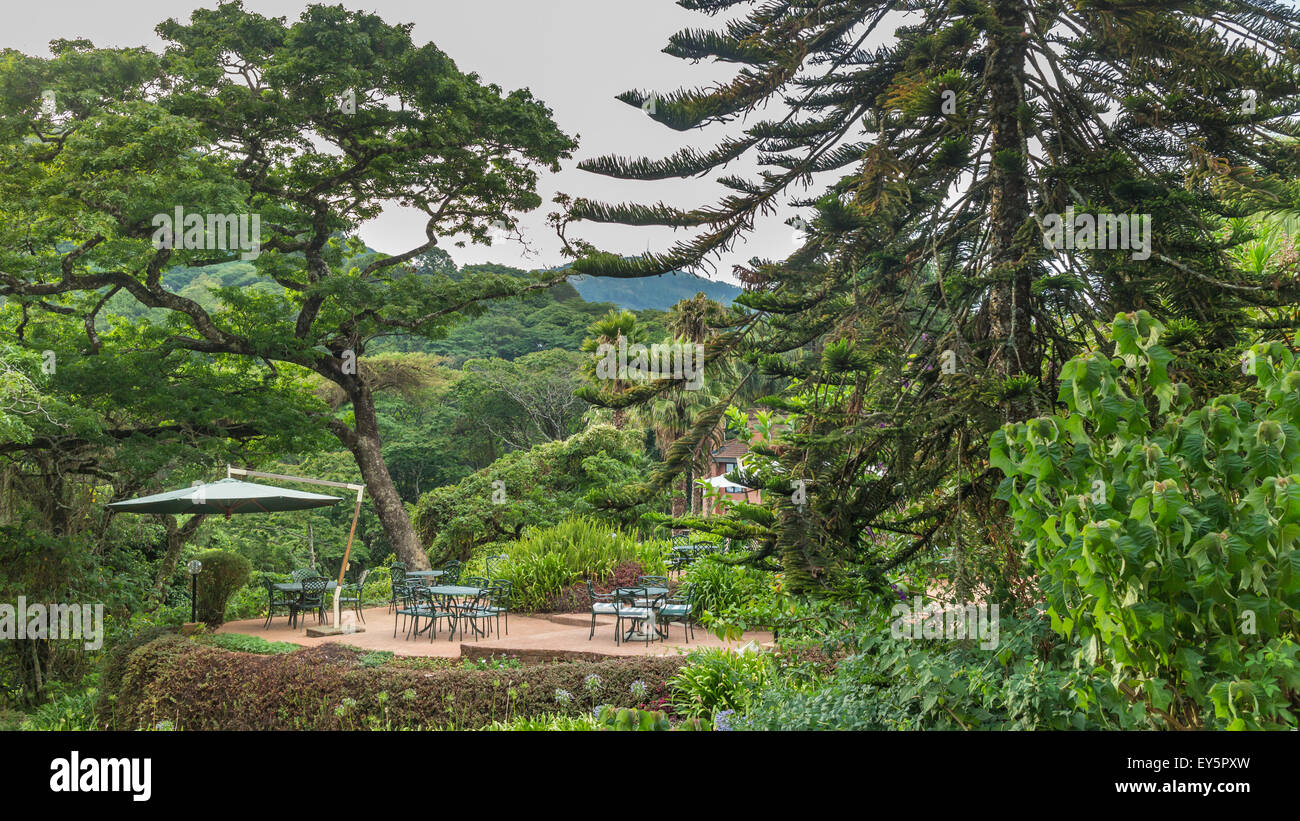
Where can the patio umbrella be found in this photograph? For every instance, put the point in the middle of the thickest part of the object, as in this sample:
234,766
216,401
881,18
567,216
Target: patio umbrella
226,496
230,495
723,482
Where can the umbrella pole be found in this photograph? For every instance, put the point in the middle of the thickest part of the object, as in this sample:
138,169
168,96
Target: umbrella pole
347,551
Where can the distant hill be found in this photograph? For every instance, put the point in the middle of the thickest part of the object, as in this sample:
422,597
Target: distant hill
651,293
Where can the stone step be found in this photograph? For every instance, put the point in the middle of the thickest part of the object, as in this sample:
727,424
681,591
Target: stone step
580,619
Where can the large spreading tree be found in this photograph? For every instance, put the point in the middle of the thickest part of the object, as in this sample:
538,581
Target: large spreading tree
925,308
313,126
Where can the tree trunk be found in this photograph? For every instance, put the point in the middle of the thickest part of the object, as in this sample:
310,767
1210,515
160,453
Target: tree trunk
176,539
364,443
686,504
1009,309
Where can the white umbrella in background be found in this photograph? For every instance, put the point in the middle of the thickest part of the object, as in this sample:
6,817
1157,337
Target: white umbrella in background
723,483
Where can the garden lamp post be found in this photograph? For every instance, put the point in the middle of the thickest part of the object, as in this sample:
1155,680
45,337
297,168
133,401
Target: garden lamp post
194,568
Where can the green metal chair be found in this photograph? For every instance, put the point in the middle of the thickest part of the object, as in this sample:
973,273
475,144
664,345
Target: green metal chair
475,581
491,560
678,607
602,604
651,581
412,608
397,572
276,599
450,572
439,607
311,598
303,573
474,610
499,592
352,595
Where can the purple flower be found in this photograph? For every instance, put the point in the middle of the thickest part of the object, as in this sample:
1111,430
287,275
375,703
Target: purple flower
722,721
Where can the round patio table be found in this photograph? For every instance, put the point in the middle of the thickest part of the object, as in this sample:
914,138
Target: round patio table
425,576
652,593
296,587
454,591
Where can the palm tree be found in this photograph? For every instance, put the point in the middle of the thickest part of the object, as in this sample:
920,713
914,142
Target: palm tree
607,331
669,416
696,319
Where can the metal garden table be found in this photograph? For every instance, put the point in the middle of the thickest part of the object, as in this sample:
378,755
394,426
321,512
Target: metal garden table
296,587
452,591
652,593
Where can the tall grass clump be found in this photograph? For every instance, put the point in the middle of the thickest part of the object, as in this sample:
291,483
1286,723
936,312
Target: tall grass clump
721,587
547,560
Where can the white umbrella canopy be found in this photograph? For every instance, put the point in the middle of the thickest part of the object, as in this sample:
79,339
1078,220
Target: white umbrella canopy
723,482
226,496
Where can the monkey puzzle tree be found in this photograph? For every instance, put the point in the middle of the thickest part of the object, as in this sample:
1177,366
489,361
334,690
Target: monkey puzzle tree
925,308
310,127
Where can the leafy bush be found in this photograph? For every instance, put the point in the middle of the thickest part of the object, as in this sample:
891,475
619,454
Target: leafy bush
633,719
69,708
242,643
223,573
890,683
201,687
547,560
718,679
1166,536
493,663
542,486
723,588
378,658
247,602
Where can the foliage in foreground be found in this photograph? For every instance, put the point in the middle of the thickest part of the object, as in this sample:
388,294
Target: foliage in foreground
243,643
716,679
1166,536
887,683
200,687
69,708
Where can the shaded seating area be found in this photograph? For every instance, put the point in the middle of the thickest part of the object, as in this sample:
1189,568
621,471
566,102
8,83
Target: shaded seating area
307,591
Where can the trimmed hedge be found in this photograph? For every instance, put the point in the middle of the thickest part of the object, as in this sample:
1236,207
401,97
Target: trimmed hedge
196,686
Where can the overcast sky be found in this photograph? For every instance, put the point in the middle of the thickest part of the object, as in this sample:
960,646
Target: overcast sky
575,55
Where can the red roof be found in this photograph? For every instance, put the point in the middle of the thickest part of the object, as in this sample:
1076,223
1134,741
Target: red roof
733,449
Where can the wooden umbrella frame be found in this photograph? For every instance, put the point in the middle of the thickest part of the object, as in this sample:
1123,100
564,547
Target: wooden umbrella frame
232,472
